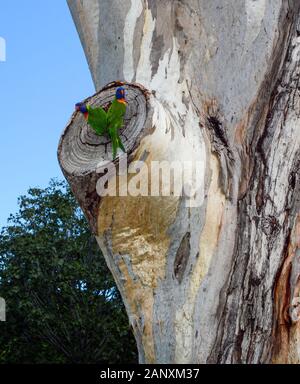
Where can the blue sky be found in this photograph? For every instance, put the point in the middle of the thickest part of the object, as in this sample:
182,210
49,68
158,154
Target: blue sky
45,73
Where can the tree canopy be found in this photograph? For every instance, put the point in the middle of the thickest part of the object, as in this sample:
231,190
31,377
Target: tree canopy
62,303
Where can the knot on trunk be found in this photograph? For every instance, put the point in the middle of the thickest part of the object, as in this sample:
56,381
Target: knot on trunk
295,309
80,150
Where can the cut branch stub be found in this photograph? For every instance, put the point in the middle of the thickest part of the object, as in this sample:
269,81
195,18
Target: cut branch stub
80,150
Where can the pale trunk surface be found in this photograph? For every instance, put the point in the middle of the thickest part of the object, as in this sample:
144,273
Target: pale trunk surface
219,86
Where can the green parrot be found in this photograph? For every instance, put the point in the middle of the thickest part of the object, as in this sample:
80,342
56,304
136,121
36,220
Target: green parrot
107,123
115,119
96,117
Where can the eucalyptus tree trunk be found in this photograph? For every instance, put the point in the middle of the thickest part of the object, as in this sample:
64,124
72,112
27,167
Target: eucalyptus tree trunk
210,275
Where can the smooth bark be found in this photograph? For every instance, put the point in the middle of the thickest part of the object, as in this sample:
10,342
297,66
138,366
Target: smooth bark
215,83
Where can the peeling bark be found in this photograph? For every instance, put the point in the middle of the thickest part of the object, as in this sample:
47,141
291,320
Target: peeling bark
215,83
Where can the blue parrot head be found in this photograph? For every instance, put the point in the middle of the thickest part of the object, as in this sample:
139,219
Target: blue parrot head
120,93
81,107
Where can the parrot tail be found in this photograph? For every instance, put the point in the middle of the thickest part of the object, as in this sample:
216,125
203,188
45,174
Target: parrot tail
121,144
117,143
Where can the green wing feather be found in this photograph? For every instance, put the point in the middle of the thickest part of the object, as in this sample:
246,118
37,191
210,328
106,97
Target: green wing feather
97,118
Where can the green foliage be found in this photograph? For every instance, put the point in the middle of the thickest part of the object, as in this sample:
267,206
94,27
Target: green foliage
62,303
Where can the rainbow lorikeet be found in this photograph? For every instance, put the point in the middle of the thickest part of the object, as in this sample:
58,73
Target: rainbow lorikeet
96,117
115,119
109,122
